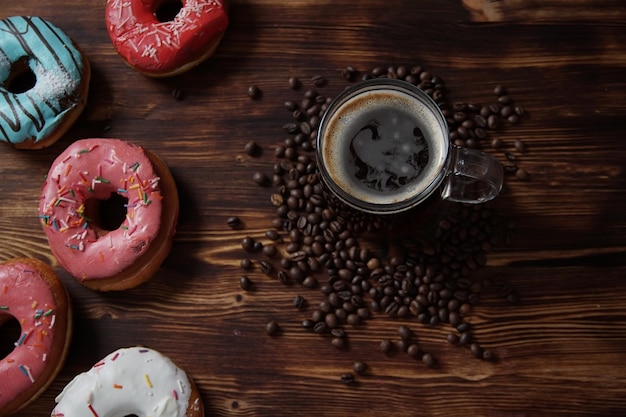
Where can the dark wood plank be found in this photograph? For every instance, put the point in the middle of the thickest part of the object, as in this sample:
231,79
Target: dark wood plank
560,351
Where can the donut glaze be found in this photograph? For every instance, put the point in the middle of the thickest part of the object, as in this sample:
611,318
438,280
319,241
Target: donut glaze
27,294
129,381
29,118
162,48
89,171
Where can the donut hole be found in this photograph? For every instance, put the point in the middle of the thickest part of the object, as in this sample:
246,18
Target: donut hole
167,10
108,214
21,78
10,332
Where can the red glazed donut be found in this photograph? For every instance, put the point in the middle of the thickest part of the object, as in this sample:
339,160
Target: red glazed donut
31,293
109,209
165,48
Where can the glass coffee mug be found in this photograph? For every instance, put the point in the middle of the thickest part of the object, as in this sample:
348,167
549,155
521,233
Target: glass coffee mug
383,148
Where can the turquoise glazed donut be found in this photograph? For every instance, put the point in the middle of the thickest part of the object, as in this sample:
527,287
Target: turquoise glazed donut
44,80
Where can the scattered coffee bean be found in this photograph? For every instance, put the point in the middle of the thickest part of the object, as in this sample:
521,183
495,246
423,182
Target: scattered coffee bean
466,338
496,143
270,250
272,328
252,148
246,263
349,73
488,355
299,302
273,235
318,81
245,283
386,346
260,178
432,282
453,338
266,267
233,222
338,342
254,92
359,367
405,333
476,350
521,174
178,94
413,350
347,378
294,83
247,243
429,360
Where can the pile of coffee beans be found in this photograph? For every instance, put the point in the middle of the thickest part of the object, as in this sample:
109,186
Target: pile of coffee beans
361,266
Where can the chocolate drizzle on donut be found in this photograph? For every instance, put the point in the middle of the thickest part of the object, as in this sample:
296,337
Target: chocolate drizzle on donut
56,66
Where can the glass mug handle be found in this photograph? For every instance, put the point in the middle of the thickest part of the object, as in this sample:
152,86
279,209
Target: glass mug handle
473,176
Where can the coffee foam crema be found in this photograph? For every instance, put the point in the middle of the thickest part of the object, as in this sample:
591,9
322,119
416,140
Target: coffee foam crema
384,146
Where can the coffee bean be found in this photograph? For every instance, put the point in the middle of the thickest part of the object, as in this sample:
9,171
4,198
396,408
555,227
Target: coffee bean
245,283
386,346
266,267
270,250
247,243
404,332
294,83
233,222
273,235
499,90
519,146
320,327
347,378
522,174
504,99
178,94
476,350
338,342
252,148
429,360
254,92
466,338
260,178
318,81
283,277
452,338
359,367
309,282
246,263
413,350
272,328
331,320
349,73
493,122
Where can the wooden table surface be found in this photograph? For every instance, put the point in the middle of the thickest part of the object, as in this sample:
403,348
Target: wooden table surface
561,350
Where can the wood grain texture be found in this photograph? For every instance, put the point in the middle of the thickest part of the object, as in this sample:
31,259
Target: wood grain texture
561,351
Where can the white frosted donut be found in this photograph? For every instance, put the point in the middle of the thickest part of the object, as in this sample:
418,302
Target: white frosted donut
129,381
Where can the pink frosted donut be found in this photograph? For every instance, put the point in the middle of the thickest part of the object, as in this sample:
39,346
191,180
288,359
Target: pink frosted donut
31,293
89,181
162,46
